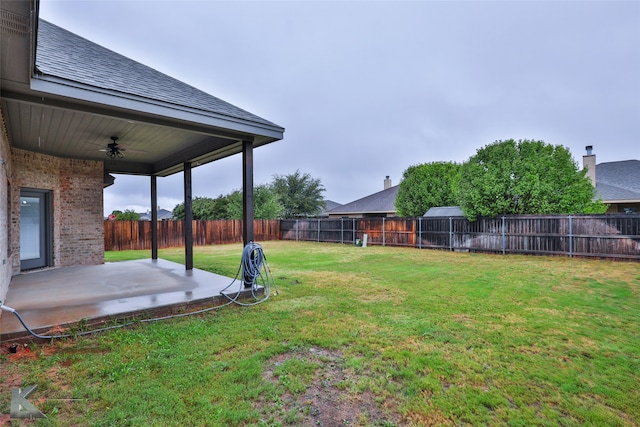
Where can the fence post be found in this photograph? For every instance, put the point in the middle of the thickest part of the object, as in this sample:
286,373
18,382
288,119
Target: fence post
420,233
570,236
297,227
354,231
342,230
450,233
503,237
318,230
383,233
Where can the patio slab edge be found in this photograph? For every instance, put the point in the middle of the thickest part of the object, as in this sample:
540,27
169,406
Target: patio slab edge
87,324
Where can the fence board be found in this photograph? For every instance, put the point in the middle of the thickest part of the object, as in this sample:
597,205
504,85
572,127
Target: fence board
600,236
136,235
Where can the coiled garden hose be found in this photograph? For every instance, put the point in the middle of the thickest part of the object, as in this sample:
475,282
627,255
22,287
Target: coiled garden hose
254,272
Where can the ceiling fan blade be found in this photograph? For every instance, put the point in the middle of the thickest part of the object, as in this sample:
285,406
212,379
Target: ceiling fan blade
128,150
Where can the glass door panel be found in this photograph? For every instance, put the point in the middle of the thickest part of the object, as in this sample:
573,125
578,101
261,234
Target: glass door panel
34,229
30,228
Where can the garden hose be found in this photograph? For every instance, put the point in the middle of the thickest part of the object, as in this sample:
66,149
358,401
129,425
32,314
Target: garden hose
255,273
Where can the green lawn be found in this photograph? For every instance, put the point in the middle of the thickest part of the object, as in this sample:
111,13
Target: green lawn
375,336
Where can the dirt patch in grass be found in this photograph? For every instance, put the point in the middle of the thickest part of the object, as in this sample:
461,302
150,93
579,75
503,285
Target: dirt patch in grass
328,396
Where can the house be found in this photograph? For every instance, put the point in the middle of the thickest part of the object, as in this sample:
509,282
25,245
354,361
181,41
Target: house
617,183
163,215
380,204
73,112
328,205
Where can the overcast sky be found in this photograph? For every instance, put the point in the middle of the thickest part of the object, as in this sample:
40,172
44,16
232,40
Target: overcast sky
366,89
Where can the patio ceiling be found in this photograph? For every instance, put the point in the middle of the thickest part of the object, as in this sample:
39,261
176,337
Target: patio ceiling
153,146
69,96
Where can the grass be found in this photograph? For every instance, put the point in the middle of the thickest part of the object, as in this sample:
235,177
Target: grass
365,336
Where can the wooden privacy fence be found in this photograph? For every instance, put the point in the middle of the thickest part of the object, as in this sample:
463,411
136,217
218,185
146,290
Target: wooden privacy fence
127,235
600,236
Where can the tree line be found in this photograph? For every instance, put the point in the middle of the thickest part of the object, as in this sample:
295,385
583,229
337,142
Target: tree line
502,178
286,196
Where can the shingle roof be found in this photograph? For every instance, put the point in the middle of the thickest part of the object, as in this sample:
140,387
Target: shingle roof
444,211
162,215
618,180
330,204
68,56
382,201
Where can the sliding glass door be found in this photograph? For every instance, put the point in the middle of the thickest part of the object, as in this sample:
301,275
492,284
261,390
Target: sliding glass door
35,229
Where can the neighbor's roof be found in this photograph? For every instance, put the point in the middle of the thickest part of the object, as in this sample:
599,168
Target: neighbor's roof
162,215
68,56
329,205
381,202
618,180
444,211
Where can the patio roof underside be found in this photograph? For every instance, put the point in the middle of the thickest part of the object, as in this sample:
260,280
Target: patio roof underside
152,145
71,96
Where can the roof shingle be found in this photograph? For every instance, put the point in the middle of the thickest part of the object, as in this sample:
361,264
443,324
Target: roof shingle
382,201
618,180
68,56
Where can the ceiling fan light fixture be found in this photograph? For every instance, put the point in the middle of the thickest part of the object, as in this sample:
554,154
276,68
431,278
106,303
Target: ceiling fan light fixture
113,151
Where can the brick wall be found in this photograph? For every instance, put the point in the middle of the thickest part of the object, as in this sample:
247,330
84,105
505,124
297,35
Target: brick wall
5,229
76,188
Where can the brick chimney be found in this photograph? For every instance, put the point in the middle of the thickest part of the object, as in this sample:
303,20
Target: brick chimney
387,183
589,163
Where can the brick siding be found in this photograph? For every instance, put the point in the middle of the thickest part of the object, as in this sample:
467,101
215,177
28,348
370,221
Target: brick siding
5,176
76,189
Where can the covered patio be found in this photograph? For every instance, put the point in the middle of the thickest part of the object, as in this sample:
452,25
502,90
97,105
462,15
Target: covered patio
52,301
72,114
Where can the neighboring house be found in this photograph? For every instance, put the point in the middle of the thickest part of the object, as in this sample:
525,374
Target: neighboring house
328,205
62,99
380,204
163,215
617,183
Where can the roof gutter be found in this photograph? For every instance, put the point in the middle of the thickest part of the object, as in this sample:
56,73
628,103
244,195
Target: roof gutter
34,15
618,201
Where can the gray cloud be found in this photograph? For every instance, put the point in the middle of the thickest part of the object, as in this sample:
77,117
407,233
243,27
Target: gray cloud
366,89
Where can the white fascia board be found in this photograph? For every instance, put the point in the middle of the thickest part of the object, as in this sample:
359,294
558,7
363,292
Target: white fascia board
60,87
618,201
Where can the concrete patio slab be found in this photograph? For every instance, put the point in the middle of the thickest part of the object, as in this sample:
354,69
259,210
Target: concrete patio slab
62,297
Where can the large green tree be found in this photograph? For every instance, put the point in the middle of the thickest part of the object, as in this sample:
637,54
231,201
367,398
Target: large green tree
204,208
427,185
128,214
300,194
265,201
524,177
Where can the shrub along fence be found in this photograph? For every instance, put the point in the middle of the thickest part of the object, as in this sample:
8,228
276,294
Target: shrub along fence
127,235
600,236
